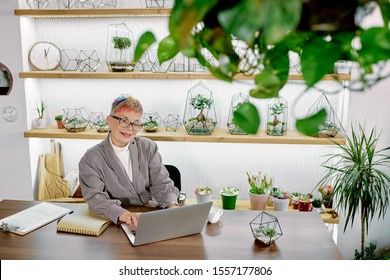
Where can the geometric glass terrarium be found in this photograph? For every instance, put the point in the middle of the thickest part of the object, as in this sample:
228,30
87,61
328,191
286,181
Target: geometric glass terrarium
277,117
68,60
172,122
75,119
103,3
119,51
237,100
158,3
151,121
331,125
37,4
266,228
68,4
199,116
88,61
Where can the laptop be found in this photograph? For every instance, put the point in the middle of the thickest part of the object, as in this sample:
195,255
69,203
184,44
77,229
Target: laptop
168,223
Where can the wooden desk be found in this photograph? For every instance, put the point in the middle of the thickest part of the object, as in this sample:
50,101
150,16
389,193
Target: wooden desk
304,237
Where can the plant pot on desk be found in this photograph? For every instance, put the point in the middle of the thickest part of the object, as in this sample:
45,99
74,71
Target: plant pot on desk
258,201
229,198
281,204
327,201
305,206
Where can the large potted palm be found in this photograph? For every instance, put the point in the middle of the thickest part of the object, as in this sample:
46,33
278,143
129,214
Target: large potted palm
360,184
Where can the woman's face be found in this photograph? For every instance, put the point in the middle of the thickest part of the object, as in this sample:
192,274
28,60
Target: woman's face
124,127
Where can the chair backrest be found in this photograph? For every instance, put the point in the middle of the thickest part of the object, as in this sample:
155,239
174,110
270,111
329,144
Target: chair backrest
174,174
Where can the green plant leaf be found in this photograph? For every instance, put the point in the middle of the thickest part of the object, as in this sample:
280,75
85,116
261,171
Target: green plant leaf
184,16
144,42
247,117
167,49
375,44
267,85
318,58
311,125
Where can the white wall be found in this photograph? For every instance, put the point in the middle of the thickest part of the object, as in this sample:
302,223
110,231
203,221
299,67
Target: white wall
14,150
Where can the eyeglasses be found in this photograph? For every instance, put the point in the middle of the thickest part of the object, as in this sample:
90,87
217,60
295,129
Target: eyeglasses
125,123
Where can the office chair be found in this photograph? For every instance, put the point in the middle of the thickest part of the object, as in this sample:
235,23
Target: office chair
174,174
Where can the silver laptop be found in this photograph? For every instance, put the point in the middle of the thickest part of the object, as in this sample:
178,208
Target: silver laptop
169,223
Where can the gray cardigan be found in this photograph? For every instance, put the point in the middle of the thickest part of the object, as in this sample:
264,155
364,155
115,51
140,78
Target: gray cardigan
106,186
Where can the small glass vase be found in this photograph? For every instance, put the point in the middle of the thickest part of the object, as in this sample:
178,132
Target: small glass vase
277,117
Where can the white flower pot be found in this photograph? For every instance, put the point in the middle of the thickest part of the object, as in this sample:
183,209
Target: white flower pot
281,204
258,201
40,123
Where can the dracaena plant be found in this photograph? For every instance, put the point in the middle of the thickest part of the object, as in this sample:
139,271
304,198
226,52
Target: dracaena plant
359,175
262,34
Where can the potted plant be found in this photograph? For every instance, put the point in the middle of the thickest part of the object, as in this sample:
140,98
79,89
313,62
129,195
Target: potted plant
305,203
317,205
150,125
270,33
281,200
295,199
360,180
58,120
259,191
203,194
40,122
229,197
326,192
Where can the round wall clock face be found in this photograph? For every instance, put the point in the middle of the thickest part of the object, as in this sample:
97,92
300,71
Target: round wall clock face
44,56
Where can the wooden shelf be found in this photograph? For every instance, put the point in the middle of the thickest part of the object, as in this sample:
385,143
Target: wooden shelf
219,136
93,13
151,75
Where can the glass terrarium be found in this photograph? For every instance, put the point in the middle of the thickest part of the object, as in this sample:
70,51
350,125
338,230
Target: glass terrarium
332,125
154,63
88,61
98,121
68,60
151,121
68,4
120,48
37,4
172,122
75,120
200,117
158,3
266,228
237,100
103,3
277,117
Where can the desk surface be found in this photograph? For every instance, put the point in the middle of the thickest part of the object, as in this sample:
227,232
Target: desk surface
304,237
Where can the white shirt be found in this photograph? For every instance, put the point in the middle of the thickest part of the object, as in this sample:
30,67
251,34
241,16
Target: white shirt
123,155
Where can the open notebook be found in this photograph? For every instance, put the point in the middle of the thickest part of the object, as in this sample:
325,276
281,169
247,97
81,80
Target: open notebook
169,223
82,221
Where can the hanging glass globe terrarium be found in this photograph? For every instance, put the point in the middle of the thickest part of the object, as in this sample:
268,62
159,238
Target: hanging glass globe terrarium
277,117
120,45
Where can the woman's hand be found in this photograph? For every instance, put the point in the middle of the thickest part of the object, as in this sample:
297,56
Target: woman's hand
130,218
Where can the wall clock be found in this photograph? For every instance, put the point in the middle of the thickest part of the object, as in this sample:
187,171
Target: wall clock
44,56
6,80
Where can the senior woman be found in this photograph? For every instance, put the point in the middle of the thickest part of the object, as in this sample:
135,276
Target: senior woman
124,169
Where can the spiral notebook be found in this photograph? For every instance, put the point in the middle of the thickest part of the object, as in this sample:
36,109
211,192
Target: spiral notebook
82,221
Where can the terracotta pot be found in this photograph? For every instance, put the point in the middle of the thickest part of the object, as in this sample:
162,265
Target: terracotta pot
60,125
258,201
